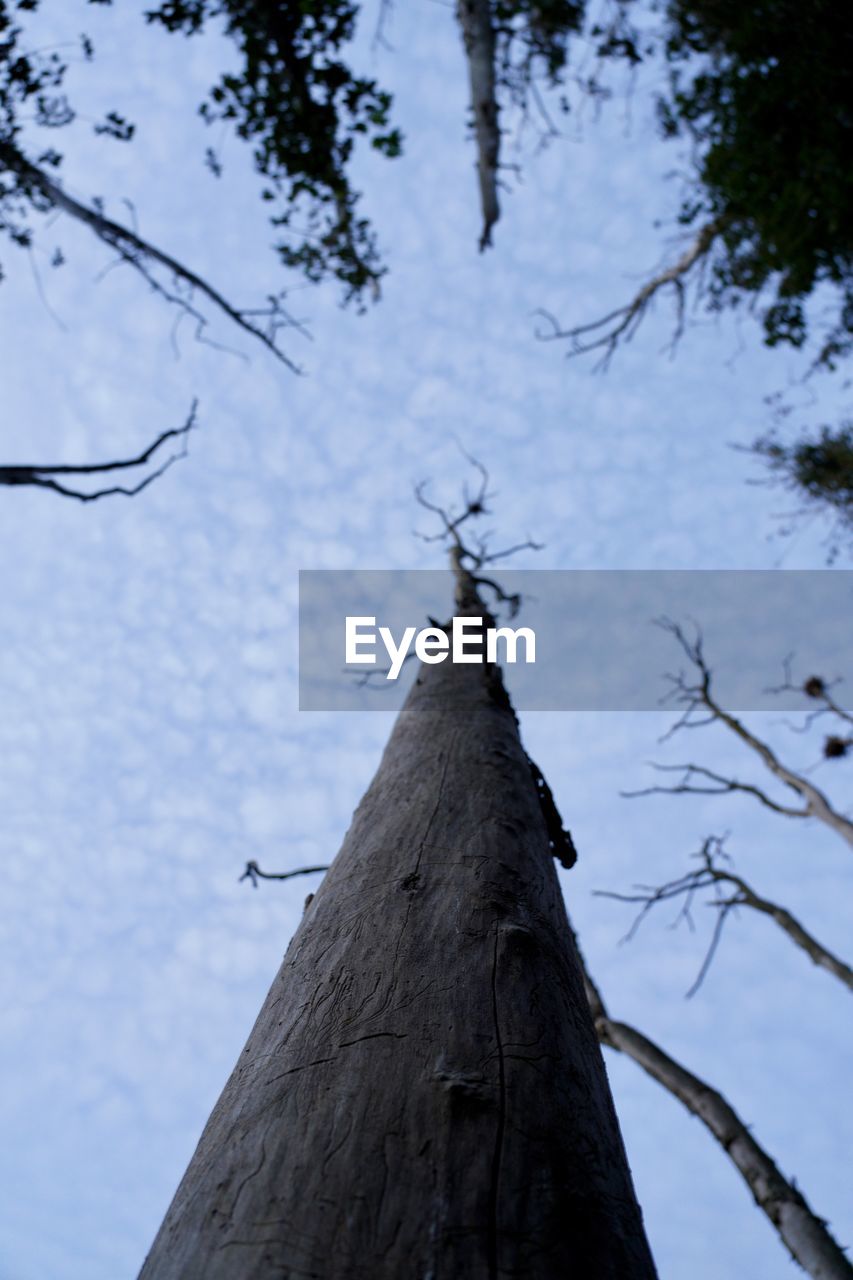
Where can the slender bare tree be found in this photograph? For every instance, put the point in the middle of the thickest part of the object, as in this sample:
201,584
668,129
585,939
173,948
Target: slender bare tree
423,1093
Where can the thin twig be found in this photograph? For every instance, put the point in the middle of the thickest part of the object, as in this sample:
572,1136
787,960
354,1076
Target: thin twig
254,873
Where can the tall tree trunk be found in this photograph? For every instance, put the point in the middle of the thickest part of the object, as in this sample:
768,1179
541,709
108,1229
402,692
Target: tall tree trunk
478,38
423,1094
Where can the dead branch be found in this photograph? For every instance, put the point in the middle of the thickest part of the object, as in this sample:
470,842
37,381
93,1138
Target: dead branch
620,325
468,558
702,708
818,690
722,786
254,873
44,477
729,891
489,557
366,679
814,687
805,1235
478,38
145,258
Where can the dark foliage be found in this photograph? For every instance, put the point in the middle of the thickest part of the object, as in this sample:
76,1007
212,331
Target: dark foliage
819,470
532,42
302,108
295,100
764,93
29,82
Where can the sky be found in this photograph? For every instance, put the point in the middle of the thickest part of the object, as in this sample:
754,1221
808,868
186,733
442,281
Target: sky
151,737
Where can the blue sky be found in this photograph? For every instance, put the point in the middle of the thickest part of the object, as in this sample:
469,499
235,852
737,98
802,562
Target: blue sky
151,741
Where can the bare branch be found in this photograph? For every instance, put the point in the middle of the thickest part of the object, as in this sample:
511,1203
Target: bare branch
467,558
254,873
510,598
145,257
701,708
365,679
380,40
803,1232
620,325
818,690
724,786
814,687
721,880
489,557
819,954
44,477
478,38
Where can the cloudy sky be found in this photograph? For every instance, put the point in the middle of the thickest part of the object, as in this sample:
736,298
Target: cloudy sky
151,741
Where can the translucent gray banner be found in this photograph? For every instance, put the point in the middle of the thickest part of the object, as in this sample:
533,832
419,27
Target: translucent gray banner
597,645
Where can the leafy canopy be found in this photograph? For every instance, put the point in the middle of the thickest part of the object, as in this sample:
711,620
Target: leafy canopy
761,92
295,99
764,93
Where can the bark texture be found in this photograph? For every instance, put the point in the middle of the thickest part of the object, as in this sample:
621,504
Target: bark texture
478,38
423,1094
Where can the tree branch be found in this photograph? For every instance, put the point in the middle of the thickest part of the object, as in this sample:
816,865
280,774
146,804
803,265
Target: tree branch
818,690
44,477
254,873
466,559
621,325
725,785
699,698
144,257
710,875
804,1234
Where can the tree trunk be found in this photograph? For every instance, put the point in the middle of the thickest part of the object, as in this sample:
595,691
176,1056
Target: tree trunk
478,38
423,1094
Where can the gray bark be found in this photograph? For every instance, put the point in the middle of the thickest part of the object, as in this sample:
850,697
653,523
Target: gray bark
478,38
423,1094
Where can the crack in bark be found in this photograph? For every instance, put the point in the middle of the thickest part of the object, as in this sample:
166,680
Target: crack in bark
422,844
318,1062
248,1178
333,1151
501,1125
374,1035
